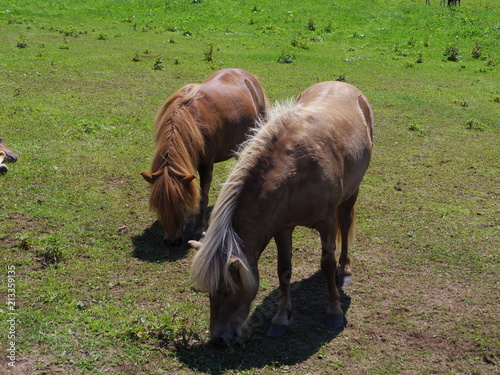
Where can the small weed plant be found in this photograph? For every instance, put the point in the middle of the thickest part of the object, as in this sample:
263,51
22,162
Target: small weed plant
300,43
22,41
415,127
452,52
209,55
286,58
158,65
173,331
477,50
136,58
311,25
51,251
473,124
341,77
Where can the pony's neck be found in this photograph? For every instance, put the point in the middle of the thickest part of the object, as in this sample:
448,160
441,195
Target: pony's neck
256,214
253,222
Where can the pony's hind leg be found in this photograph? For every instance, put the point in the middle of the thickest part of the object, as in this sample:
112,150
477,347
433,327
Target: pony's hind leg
335,314
345,222
282,318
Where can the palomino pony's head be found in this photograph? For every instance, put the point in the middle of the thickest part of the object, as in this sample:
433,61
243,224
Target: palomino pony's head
175,194
221,267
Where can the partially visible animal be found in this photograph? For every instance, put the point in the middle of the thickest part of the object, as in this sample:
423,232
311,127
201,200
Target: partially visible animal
453,3
198,126
303,167
6,154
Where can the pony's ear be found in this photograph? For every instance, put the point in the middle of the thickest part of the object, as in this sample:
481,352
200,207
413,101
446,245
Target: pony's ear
234,264
151,177
195,244
148,177
239,269
187,179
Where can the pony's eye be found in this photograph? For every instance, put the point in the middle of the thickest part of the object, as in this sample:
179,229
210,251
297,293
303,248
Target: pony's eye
228,293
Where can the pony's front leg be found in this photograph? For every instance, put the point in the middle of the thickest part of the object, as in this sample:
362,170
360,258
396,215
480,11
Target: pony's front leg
282,318
335,314
206,173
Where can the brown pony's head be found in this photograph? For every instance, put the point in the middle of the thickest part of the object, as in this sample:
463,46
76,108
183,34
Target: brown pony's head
173,198
175,193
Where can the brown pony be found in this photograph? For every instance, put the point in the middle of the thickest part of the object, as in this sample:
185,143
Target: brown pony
6,154
198,126
303,167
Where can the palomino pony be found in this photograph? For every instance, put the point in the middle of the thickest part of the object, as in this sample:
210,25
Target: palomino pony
198,126
303,167
6,154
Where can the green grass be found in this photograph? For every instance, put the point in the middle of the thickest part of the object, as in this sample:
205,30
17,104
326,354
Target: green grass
97,291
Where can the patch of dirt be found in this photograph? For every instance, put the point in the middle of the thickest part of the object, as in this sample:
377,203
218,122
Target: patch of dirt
438,322
29,365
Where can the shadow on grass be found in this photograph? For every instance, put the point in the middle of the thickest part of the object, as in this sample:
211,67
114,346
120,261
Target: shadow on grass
306,334
149,246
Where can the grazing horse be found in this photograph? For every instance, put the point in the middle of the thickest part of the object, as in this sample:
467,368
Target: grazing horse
6,154
198,126
303,167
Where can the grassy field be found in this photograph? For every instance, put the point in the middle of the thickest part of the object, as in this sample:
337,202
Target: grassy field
95,290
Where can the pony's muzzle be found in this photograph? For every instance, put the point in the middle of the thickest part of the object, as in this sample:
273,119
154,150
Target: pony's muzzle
10,156
173,243
228,337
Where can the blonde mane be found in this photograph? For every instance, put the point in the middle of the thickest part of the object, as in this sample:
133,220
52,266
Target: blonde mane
222,244
179,143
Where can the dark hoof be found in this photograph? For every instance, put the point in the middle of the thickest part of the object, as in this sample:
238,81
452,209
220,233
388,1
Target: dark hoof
276,330
335,321
218,341
344,280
